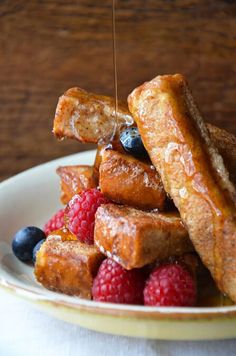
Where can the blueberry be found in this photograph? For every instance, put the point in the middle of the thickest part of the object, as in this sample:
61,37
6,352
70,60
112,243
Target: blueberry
36,248
24,242
132,142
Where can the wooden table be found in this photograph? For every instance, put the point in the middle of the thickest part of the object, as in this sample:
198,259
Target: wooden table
49,46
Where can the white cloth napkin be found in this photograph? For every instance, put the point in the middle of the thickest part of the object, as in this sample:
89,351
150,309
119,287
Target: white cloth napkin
27,331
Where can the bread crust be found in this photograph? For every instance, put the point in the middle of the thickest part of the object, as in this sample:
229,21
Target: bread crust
226,145
192,171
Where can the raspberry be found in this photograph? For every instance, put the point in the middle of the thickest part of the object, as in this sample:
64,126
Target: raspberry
114,284
170,285
55,223
80,213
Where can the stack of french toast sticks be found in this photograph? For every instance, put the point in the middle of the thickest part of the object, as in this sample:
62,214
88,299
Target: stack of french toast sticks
177,202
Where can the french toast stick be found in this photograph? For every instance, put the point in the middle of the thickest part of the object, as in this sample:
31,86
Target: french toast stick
89,117
66,265
135,238
75,179
129,181
192,171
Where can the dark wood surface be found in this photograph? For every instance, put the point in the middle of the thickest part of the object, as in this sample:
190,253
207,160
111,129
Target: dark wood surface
49,46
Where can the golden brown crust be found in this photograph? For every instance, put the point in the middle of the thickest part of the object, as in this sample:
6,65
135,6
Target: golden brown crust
226,144
75,179
135,238
65,265
192,171
89,117
126,180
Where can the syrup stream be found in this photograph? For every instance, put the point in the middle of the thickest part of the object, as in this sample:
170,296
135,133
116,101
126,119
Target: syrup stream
114,63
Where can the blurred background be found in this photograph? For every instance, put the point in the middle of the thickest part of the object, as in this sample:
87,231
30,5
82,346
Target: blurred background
50,46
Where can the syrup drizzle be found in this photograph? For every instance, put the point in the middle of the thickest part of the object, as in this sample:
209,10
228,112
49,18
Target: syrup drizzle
114,63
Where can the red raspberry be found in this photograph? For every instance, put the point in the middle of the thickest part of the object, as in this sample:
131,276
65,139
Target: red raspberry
80,213
55,223
170,285
114,284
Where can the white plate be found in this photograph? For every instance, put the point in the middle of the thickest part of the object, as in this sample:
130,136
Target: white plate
29,199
